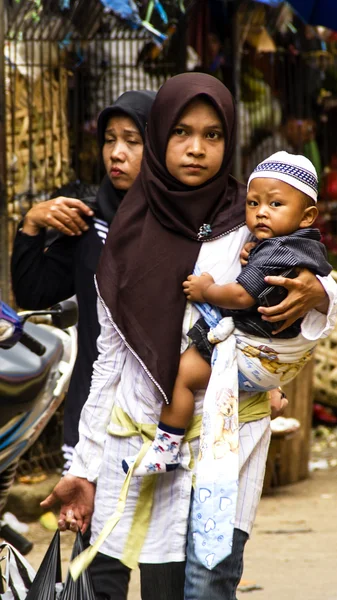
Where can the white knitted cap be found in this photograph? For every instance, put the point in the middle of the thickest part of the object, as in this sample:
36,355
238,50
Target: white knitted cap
295,169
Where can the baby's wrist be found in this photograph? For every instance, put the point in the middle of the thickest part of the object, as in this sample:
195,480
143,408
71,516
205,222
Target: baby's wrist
207,290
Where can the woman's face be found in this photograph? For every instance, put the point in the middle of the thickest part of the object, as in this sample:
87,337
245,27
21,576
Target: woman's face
122,151
196,146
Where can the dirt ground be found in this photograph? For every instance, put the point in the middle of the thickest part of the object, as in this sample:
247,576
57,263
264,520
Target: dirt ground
292,552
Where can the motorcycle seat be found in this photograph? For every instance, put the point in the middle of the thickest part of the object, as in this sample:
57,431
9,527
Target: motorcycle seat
22,372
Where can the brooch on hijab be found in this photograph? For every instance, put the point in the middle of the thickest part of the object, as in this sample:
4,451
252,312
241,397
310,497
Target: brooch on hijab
204,231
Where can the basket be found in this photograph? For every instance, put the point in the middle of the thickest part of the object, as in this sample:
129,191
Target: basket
325,370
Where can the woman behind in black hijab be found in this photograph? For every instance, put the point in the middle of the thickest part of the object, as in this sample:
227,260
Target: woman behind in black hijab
42,278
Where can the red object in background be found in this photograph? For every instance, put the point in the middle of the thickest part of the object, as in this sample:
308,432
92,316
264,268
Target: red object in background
328,238
323,414
333,36
329,186
329,181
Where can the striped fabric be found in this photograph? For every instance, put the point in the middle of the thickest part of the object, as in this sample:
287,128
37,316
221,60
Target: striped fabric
270,257
102,228
299,173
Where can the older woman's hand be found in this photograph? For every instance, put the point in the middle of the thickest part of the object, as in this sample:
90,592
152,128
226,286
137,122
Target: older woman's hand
305,292
63,214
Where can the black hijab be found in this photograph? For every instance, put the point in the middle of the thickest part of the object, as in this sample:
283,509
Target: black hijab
133,104
153,242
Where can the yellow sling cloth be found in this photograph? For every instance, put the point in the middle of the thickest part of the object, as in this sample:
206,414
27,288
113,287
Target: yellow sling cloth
121,425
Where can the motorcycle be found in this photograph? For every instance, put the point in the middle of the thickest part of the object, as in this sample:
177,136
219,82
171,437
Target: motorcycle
36,362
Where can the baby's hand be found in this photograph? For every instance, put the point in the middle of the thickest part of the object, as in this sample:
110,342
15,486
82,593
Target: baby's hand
195,287
244,254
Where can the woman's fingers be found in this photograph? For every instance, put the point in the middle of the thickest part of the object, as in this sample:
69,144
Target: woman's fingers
70,518
67,520
74,203
285,318
76,496
293,307
284,325
63,214
49,501
62,525
74,526
283,281
57,223
280,314
66,219
295,300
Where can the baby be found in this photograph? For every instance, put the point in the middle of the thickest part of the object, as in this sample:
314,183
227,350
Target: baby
280,211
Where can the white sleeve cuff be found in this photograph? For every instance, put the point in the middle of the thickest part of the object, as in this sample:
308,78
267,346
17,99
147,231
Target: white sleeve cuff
78,469
316,325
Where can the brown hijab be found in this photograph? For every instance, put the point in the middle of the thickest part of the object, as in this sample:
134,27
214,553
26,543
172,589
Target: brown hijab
153,242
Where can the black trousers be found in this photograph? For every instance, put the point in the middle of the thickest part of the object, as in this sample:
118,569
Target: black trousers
167,581
158,582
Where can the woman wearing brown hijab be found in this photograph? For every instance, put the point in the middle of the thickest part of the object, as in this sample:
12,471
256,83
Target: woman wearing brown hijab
158,235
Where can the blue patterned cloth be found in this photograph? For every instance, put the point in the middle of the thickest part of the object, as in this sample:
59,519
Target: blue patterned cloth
215,498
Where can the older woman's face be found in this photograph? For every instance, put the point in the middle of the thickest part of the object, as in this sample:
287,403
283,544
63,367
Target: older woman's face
122,151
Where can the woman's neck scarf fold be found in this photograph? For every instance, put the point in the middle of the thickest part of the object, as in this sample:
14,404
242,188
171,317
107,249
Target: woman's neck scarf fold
154,240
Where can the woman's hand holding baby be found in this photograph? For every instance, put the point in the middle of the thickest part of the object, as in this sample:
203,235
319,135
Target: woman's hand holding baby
305,292
195,287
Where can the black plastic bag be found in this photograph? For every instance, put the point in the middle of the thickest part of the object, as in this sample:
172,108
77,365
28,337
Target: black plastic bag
49,573
82,589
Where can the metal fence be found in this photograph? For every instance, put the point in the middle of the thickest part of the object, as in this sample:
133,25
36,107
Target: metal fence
58,69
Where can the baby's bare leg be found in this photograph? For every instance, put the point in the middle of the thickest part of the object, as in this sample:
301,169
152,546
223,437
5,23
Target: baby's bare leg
194,373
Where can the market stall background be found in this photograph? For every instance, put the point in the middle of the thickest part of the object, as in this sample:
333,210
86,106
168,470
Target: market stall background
59,68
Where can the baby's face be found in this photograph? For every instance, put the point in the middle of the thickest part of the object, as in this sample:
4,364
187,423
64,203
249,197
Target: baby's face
273,208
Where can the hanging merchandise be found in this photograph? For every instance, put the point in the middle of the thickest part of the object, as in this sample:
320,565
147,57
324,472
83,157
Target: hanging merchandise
48,578
128,11
155,58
